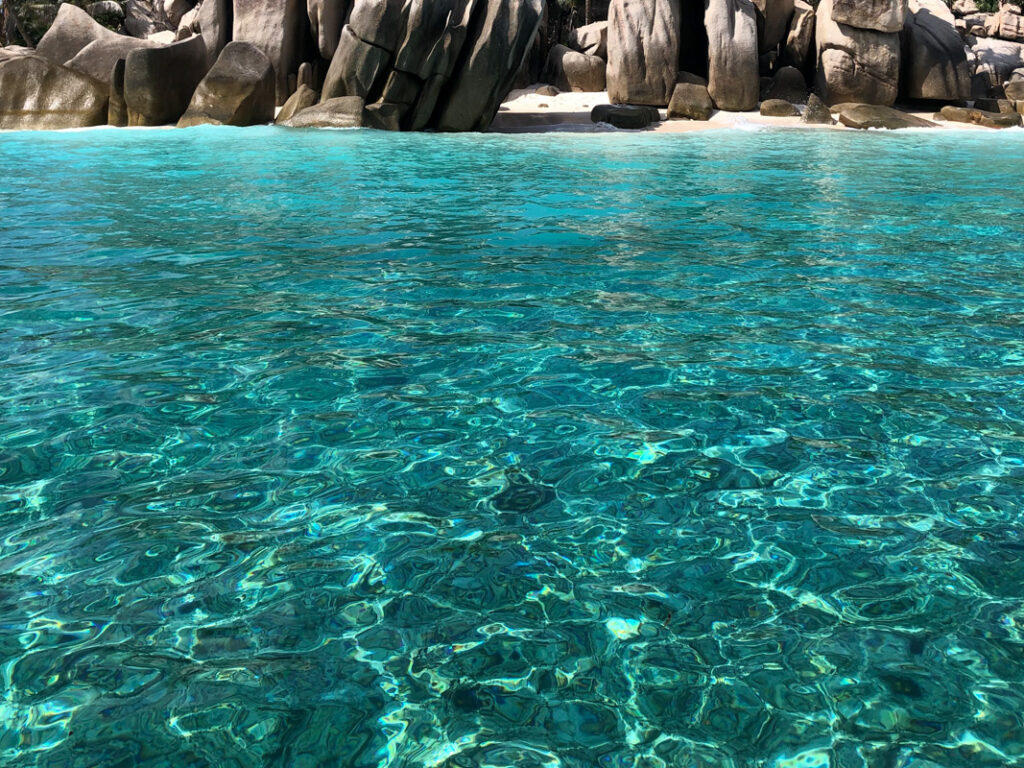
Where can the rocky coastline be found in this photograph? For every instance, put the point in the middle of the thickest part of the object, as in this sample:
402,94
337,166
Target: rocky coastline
448,65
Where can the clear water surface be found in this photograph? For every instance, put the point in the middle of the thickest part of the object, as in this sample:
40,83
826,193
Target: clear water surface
350,449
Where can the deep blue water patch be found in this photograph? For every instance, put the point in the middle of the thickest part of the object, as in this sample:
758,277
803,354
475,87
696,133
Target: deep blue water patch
342,448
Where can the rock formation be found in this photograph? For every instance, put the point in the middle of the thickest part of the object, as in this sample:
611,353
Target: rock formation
643,50
934,61
238,90
37,93
859,64
732,44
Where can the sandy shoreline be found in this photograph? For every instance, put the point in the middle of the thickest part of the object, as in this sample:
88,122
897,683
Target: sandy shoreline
525,111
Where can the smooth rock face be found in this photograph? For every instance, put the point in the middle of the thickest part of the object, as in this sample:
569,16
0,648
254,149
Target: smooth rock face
215,26
1014,90
326,20
99,57
72,31
775,15
277,28
36,93
979,117
571,70
303,98
879,15
159,82
779,108
864,116
495,49
817,113
690,101
238,90
358,69
733,72
799,48
789,85
856,65
591,39
343,112
934,60
643,50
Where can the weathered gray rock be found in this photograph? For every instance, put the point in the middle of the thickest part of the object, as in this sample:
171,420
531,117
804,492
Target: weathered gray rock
980,117
774,17
788,85
934,60
1003,106
383,117
571,70
71,32
358,68
965,7
117,110
143,18
733,73
343,112
326,20
778,108
799,48
303,98
278,29
864,116
36,93
238,90
625,116
996,59
591,39
495,48
817,113
175,10
159,82
643,50
878,15
1014,90
690,101
856,65
215,26
547,90
98,58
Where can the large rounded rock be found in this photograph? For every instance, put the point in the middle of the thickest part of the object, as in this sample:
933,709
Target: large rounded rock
789,85
571,70
981,118
778,108
495,48
99,57
238,90
690,101
865,116
277,28
36,93
591,39
879,15
625,116
159,82
343,112
996,59
71,32
733,72
934,60
326,20
643,50
856,65
358,68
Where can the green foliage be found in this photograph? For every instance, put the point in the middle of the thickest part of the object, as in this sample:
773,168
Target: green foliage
988,6
26,21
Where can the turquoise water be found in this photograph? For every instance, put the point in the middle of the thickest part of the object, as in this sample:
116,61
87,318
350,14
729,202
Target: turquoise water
351,449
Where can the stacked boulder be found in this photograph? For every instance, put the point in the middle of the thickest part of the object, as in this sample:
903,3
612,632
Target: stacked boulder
995,43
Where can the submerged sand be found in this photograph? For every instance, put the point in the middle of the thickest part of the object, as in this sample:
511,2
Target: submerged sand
525,111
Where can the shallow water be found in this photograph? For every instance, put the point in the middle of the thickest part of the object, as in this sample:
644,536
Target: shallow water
341,448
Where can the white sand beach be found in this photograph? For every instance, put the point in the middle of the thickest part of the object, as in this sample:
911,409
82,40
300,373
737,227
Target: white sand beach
526,111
